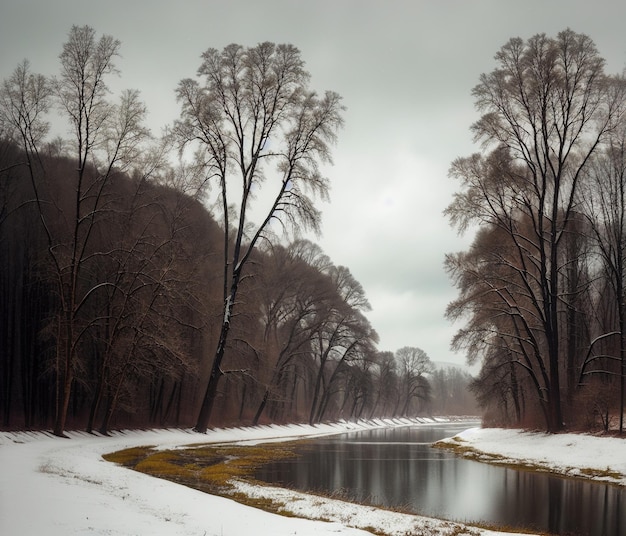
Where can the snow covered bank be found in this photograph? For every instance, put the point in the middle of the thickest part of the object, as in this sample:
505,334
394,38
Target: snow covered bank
574,455
57,487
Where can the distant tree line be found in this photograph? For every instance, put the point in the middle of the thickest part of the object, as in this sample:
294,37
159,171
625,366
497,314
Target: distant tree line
452,392
133,280
542,287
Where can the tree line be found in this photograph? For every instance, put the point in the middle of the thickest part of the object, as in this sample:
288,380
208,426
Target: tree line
541,289
137,289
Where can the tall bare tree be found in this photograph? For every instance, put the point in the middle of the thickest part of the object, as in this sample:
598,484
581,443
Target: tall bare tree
258,132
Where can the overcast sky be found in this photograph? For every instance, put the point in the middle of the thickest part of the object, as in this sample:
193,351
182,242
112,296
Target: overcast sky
405,70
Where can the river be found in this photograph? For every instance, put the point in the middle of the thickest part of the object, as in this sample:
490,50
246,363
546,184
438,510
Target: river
397,467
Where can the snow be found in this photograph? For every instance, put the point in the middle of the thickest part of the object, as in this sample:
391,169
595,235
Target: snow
601,458
55,486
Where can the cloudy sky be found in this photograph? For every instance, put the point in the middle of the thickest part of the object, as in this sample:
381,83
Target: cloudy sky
405,70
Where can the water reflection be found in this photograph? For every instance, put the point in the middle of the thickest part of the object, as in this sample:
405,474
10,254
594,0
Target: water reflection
397,467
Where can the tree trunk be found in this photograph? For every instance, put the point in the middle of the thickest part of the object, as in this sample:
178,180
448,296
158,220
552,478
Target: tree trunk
106,422
515,394
555,415
210,393
170,403
156,406
619,287
316,390
59,427
64,387
259,411
621,313
95,405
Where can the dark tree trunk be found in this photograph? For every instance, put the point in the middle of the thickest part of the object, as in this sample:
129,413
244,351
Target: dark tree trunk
261,408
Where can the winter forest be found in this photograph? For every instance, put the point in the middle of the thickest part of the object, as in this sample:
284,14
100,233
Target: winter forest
542,286
141,284
172,280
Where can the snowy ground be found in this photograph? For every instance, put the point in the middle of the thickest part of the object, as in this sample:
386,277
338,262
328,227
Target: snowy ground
576,455
57,487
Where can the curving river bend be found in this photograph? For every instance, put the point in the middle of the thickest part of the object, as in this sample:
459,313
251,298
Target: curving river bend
398,468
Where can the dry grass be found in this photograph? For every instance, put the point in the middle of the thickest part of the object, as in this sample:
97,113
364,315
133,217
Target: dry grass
601,473
127,457
207,468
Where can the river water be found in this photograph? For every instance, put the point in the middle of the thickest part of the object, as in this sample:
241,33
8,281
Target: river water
397,467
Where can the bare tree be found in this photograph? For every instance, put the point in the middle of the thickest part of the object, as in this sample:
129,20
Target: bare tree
294,296
359,384
258,132
413,366
343,335
384,384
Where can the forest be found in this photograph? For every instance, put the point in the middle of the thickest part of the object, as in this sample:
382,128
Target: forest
136,287
541,290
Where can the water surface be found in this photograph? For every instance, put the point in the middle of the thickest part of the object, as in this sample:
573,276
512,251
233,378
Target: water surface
398,468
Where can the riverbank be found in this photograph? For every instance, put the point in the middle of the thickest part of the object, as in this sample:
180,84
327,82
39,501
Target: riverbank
57,487
592,457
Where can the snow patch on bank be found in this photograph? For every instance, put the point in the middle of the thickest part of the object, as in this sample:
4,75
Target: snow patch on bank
587,456
356,515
